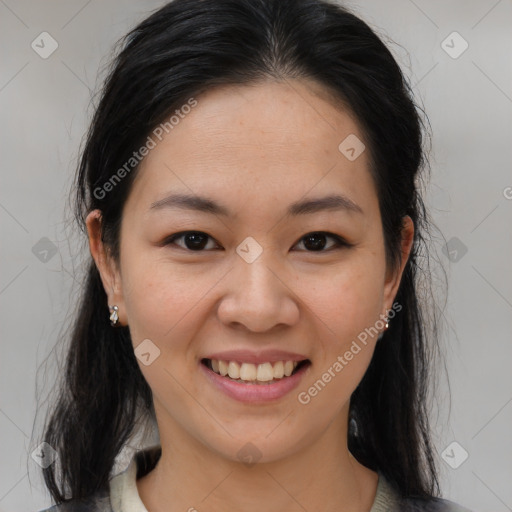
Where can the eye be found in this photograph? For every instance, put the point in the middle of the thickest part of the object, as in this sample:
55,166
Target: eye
315,241
192,240
198,241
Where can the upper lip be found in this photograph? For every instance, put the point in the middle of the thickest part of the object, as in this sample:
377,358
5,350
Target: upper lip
250,356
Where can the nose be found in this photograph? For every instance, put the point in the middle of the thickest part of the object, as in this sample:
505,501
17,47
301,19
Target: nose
257,297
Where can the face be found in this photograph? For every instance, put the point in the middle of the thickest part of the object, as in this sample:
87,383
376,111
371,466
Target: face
256,275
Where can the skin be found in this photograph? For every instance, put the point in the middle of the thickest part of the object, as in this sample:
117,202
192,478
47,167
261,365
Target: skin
255,149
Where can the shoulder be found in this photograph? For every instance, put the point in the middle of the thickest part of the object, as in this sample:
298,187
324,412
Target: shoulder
431,505
98,502
121,490
388,499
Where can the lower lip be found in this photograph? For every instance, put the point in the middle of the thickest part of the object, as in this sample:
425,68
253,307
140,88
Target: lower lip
254,393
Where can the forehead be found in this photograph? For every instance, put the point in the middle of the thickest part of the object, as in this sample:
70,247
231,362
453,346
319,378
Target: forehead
272,138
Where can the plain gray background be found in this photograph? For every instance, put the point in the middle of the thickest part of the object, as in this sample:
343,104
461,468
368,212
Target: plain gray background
468,98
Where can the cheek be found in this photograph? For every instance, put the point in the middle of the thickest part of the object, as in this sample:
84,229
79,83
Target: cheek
347,307
164,299
161,308
160,299
347,300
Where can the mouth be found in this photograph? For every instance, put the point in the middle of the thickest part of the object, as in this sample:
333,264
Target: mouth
262,374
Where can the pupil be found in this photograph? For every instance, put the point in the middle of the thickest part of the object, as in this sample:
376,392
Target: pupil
317,241
195,241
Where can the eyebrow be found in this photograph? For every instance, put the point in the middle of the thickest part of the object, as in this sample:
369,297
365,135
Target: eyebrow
304,207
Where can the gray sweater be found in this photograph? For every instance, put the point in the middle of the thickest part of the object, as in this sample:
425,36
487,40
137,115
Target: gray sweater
122,495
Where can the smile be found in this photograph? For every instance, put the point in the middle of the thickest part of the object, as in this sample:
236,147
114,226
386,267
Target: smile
248,382
264,373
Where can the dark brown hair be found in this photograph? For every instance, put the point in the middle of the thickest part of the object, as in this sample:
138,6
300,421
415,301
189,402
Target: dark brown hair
183,49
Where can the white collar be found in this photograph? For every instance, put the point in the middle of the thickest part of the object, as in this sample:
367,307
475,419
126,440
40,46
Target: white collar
124,495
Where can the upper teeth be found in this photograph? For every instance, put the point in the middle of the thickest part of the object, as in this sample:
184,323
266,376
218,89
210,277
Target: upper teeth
247,371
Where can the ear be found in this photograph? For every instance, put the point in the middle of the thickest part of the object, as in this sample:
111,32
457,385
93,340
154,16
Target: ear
109,272
394,277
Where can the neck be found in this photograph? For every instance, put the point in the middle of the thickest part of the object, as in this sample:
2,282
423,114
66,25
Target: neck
323,476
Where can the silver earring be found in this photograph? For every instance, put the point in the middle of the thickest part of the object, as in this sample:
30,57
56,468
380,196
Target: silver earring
114,317
386,327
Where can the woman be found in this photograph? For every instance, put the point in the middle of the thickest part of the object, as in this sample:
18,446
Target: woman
249,192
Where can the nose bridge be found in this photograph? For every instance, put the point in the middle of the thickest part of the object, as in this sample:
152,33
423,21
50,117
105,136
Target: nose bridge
256,279
256,296
252,266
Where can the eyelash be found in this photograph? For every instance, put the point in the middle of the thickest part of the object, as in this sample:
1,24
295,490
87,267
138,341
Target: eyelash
340,242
